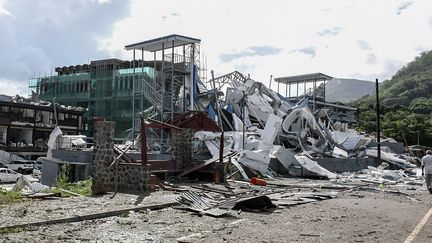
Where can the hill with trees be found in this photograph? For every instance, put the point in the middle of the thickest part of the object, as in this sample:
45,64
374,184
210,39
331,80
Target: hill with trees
406,104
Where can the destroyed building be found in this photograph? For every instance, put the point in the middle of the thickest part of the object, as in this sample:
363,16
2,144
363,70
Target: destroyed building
25,124
180,124
314,85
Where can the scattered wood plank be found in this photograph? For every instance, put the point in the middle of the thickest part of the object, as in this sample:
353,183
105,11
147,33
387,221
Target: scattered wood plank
226,193
41,195
313,186
72,193
208,162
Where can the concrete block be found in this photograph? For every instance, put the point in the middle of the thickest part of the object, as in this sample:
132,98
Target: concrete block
271,129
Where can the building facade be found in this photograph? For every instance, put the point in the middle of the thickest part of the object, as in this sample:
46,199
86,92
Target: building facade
167,82
25,125
104,88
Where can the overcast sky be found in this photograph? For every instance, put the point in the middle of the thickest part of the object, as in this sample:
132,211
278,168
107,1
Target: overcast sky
350,39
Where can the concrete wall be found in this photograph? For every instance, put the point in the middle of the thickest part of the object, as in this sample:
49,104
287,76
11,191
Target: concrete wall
50,170
73,155
395,147
340,165
129,178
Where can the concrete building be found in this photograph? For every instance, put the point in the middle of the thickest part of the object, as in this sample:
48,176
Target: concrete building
25,124
119,90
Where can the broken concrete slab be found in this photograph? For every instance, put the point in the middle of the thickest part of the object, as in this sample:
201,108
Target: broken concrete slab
391,158
271,129
314,167
258,160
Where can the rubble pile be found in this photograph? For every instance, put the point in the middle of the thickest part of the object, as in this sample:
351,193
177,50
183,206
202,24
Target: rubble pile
384,176
266,134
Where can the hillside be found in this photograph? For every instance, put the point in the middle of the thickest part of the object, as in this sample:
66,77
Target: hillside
348,90
406,103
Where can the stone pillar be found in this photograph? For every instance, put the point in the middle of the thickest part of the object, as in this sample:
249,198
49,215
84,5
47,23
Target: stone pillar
131,178
134,178
103,155
182,147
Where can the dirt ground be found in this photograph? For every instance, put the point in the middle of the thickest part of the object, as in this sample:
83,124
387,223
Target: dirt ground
353,216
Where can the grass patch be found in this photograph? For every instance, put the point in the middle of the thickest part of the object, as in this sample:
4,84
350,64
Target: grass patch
81,187
11,230
7,197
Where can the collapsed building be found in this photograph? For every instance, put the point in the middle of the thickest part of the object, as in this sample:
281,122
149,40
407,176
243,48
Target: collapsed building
230,129
227,127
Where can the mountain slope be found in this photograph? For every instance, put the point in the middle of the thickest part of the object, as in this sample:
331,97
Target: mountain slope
406,101
348,90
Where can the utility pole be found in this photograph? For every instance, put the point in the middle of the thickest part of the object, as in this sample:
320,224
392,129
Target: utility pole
378,121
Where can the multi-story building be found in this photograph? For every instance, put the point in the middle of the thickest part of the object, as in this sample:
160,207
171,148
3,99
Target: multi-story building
25,125
105,87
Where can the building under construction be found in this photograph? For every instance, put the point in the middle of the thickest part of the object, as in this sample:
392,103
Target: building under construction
162,76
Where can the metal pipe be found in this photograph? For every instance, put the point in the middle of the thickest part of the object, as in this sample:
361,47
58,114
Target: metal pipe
244,119
142,80
192,77
143,142
133,101
304,88
154,61
278,86
324,93
271,77
289,95
314,90
163,81
184,79
172,81
217,105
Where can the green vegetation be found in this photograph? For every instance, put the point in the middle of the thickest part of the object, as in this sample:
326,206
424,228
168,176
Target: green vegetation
11,230
406,104
7,197
81,187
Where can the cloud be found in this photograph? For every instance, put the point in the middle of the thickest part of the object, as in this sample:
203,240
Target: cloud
371,58
4,11
364,45
403,6
264,50
16,88
39,35
308,51
332,31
